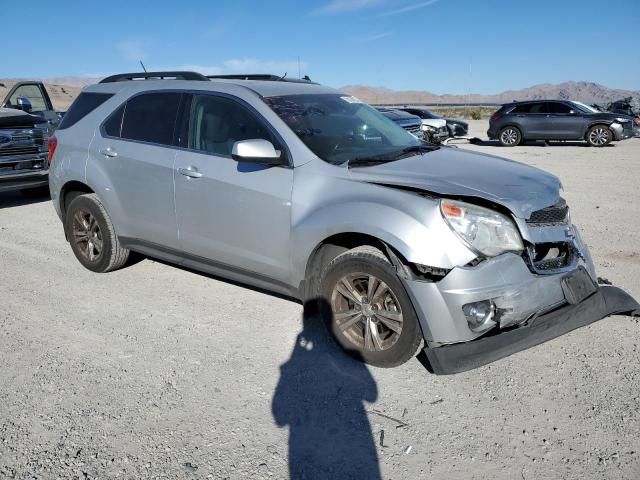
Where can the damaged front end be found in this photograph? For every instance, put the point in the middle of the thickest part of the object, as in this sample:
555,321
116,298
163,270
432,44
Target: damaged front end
496,306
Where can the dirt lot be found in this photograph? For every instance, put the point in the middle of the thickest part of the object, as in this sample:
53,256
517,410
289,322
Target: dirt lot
157,372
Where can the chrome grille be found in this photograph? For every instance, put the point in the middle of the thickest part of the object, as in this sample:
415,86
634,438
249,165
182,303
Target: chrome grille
22,141
415,129
554,215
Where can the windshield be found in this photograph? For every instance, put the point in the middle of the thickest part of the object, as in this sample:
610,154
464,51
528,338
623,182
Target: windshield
339,128
584,108
430,114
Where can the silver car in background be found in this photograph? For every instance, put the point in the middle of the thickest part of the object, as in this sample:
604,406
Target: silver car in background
305,191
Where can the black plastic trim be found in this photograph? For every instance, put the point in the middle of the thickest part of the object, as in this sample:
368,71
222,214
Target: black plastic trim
170,75
461,357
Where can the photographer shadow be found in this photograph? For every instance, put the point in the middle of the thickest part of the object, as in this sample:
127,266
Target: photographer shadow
320,396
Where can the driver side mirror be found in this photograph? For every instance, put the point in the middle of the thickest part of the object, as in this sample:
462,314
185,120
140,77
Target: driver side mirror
572,112
256,150
24,104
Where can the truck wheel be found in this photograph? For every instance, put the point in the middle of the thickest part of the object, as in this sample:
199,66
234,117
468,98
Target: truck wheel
371,315
92,236
599,136
37,192
509,136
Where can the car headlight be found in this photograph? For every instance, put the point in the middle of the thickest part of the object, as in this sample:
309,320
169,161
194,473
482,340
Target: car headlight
622,120
427,128
486,231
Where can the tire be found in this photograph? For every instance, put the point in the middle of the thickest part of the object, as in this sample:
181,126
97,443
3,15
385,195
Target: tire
599,136
387,347
38,192
510,136
92,235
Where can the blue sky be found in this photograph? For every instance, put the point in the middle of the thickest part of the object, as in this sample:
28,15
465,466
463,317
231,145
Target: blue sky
444,46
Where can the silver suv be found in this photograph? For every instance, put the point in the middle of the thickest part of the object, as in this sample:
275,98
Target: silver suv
302,190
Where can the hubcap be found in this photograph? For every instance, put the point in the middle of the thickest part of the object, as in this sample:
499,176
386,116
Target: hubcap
599,136
87,235
367,312
509,136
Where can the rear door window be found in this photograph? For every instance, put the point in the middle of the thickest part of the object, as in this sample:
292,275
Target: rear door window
558,108
151,117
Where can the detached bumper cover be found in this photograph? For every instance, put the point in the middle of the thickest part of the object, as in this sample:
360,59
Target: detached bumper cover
461,357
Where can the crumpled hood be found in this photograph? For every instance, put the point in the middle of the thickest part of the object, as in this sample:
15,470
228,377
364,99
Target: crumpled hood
435,122
456,172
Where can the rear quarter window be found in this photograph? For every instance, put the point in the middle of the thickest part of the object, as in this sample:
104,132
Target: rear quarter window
86,103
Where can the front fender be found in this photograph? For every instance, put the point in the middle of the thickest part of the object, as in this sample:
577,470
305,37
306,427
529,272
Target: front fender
416,231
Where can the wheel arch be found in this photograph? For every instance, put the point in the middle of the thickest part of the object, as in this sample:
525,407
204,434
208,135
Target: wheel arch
69,191
595,123
332,246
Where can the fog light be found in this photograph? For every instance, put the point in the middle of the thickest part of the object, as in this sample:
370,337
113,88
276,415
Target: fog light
480,315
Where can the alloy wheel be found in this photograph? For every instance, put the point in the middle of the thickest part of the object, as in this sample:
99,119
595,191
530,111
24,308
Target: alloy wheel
367,312
87,235
509,136
599,136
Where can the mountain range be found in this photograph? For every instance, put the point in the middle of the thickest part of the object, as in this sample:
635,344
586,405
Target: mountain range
586,92
64,89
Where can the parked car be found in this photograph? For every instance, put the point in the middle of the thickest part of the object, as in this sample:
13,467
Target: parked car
305,191
456,128
547,120
411,123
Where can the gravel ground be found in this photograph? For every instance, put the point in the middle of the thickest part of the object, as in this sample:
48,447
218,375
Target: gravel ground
158,372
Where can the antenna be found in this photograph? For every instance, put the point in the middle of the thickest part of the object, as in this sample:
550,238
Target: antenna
142,65
298,66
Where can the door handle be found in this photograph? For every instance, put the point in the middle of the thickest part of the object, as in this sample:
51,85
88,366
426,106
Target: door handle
109,152
191,172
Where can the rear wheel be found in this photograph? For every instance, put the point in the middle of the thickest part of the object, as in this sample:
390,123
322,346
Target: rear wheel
371,316
509,137
92,235
599,136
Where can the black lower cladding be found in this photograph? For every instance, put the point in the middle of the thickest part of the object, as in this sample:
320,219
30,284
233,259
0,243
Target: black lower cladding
461,357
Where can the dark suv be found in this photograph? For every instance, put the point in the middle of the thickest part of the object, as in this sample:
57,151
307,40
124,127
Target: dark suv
557,120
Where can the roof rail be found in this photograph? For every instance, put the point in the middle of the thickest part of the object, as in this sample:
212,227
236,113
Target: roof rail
261,76
122,77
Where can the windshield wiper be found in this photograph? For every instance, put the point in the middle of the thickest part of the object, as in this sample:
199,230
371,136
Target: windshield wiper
365,161
416,149
377,159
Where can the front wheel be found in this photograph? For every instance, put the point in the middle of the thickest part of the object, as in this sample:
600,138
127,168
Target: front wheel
509,137
599,136
371,316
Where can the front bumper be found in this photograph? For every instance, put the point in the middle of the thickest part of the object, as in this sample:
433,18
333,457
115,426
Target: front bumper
521,299
438,135
24,180
23,171
622,131
461,357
